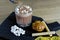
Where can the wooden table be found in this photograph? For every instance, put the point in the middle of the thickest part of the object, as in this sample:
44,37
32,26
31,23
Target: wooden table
47,9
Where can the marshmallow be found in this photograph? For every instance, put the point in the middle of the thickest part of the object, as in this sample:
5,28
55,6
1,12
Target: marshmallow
24,12
17,31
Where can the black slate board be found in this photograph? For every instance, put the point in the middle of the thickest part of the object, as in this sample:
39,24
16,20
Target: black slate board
11,20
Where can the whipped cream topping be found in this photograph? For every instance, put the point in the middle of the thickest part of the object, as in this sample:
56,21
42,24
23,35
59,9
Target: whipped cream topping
23,10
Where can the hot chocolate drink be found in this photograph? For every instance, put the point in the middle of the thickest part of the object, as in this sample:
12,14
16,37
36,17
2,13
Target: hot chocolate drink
23,15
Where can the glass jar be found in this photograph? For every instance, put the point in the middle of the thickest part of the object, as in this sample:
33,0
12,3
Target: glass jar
23,15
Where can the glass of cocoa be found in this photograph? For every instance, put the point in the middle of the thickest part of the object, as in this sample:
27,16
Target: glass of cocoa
23,15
